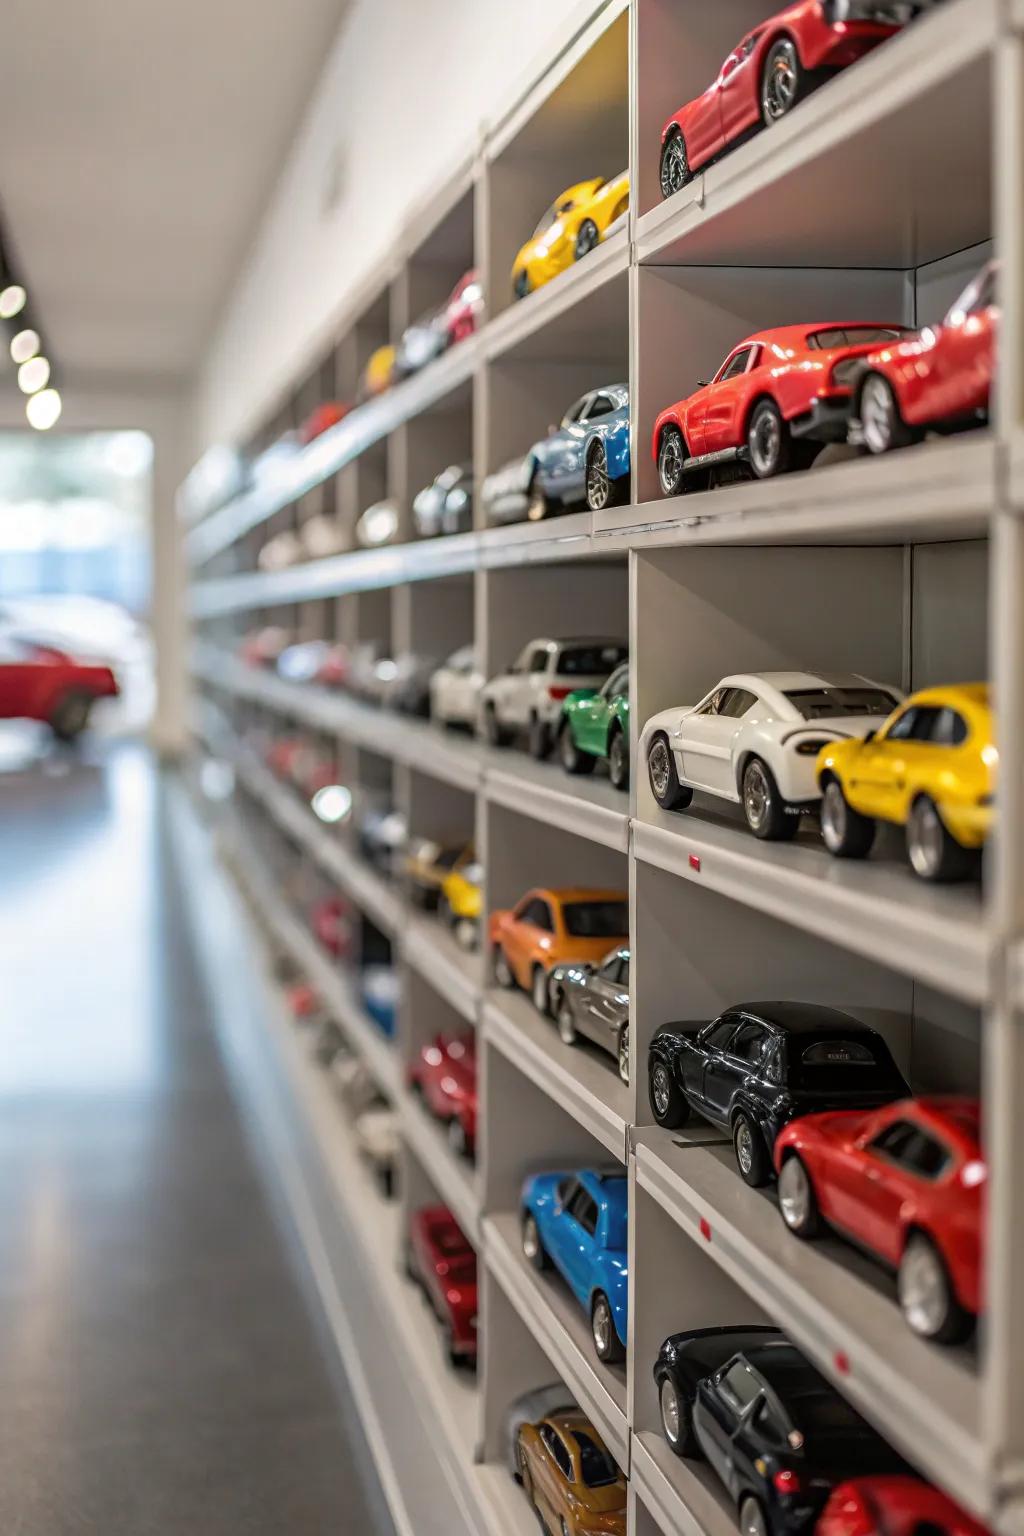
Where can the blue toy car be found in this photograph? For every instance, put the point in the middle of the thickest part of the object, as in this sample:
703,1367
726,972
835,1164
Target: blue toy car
379,987
577,1221
586,458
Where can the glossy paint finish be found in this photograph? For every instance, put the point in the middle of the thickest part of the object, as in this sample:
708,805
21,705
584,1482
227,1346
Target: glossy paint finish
593,717
428,864
444,1073
464,309
38,682
893,1506
536,934
588,1252
443,1261
322,419
599,418
556,242
593,1002
570,1494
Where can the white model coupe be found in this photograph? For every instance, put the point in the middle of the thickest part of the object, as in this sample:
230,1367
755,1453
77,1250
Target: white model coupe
528,696
755,738
455,689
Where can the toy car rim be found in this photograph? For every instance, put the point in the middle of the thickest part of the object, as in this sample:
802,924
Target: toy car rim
757,795
923,1289
796,1201
623,1054
618,760
502,970
661,1089
521,286
539,990
781,88
671,1413
675,168
586,238
744,1140
598,483
834,816
465,933
765,442
601,1326
877,414
752,1521
659,763
670,462
563,1528
926,838
566,1027
531,1239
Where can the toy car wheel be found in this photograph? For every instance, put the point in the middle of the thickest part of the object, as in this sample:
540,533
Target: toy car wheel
765,810
798,1204
675,1420
671,459
464,929
495,733
845,832
521,285
661,770
522,1470
751,1152
602,491
675,167
782,83
458,1141
768,441
533,1248
926,1294
537,507
587,236
668,1104
570,755
563,1529
501,968
752,1521
71,715
622,1054
539,990
538,738
566,1024
882,426
386,1181
602,1327
411,1272
618,759
933,853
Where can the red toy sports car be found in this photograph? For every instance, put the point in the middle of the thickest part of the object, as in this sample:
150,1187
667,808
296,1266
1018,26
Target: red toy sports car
321,419
331,922
443,1261
938,380
38,682
335,667
462,312
893,1506
445,1074
905,1182
773,68
776,399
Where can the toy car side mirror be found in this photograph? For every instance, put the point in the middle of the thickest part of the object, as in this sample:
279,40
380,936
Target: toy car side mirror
702,383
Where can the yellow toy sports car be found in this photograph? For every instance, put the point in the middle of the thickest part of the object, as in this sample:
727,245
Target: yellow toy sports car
462,899
931,769
379,373
572,226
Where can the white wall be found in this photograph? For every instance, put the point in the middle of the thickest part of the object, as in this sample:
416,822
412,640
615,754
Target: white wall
403,96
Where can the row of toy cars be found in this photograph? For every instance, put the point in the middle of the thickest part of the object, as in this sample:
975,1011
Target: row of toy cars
584,461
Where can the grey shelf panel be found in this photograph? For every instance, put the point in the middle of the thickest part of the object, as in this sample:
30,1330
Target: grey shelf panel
684,1497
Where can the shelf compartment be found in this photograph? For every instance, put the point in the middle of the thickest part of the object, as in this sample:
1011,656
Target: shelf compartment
453,972
589,806
684,1497
454,1179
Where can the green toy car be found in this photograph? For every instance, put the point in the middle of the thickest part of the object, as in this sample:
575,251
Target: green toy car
595,723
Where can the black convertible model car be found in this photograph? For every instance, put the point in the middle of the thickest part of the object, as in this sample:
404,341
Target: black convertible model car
775,1431
592,1001
758,1065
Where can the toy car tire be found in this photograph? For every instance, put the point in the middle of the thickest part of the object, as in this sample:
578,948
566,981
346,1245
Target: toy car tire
676,1423
587,236
464,929
607,1344
622,1054
926,1295
783,82
572,759
618,759
458,1141
70,714
538,738
538,508
668,1104
566,1027
671,459
533,1248
521,286
751,1518
602,490
674,169
764,808
798,1204
501,969
845,832
933,853
386,1182
661,771
539,991
495,734
752,1158
881,424
768,441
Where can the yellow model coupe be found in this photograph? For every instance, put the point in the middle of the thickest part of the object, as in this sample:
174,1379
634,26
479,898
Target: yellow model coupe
462,899
572,226
930,768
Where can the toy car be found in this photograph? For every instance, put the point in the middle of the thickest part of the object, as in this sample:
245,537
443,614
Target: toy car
379,373
331,922
592,1001
464,308
444,1074
378,1141
529,695
352,1079
301,662
420,343
930,768
262,647
322,419
379,988
569,1477
39,682
769,71
893,1506
547,928
778,396
455,689
505,494
462,902
577,1221
586,458
304,1003
382,834
529,1409
442,1260
404,683
575,223
322,535
282,550
595,724
756,1066
939,380
446,504
379,524
755,739
905,1182
775,1432
427,863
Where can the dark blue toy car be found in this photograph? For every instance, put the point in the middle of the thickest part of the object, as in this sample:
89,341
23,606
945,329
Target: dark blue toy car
577,1221
585,460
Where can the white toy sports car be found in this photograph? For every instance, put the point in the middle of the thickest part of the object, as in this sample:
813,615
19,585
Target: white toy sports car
755,738
455,689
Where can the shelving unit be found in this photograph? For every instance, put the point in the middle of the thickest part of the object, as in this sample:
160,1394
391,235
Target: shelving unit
876,198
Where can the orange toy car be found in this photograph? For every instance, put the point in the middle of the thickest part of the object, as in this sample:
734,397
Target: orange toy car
548,928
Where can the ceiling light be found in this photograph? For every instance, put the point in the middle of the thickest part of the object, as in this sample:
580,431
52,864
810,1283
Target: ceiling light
43,410
24,346
33,375
12,301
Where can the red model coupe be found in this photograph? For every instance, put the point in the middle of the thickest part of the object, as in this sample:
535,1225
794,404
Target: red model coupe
905,1182
939,380
443,1261
331,922
772,69
38,682
445,1074
893,1506
462,312
321,419
776,399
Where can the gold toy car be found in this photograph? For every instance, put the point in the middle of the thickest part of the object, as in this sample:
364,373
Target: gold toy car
569,1477
572,226
930,768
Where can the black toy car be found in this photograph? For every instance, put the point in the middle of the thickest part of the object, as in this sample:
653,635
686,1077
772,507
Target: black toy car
773,1429
758,1065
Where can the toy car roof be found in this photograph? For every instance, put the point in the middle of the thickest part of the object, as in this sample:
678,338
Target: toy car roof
804,1018
785,681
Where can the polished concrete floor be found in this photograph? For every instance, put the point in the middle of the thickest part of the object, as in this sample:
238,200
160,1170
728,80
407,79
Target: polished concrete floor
162,1368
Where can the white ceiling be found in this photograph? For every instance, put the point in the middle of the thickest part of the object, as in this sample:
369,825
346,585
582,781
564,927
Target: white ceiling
139,142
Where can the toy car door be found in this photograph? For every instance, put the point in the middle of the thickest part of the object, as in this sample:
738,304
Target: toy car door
707,736
740,93
562,459
703,131
723,1401
707,1063
897,1163
579,1219
883,770
600,1007
962,360
725,407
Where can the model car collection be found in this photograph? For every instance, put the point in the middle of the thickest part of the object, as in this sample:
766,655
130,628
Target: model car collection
591,1002
527,698
547,928
577,221
577,1223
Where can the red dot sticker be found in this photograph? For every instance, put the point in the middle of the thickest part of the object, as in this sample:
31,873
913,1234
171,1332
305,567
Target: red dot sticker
841,1361
705,1229
695,862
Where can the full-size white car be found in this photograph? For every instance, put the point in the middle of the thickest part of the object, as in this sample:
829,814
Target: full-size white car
528,697
455,689
755,738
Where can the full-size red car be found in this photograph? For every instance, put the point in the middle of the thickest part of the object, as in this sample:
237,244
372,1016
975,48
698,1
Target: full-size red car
893,1506
322,419
778,396
769,71
939,380
39,682
444,1073
905,1182
443,1261
462,312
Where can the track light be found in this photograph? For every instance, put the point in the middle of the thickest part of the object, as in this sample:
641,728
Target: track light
13,299
24,346
33,375
43,410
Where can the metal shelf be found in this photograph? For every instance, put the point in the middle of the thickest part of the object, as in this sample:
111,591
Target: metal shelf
684,1497
588,806
546,306
455,1180
456,973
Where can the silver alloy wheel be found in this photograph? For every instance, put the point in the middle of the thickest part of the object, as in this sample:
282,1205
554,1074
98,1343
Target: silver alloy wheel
833,816
531,1238
765,443
598,484
618,758
624,1054
744,1142
794,1194
757,794
675,169
465,933
923,1290
925,839
779,91
601,1324
752,1519
567,748
659,762
586,238
670,462
877,413
671,1414
502,970
540,990
566,1027
661,1088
